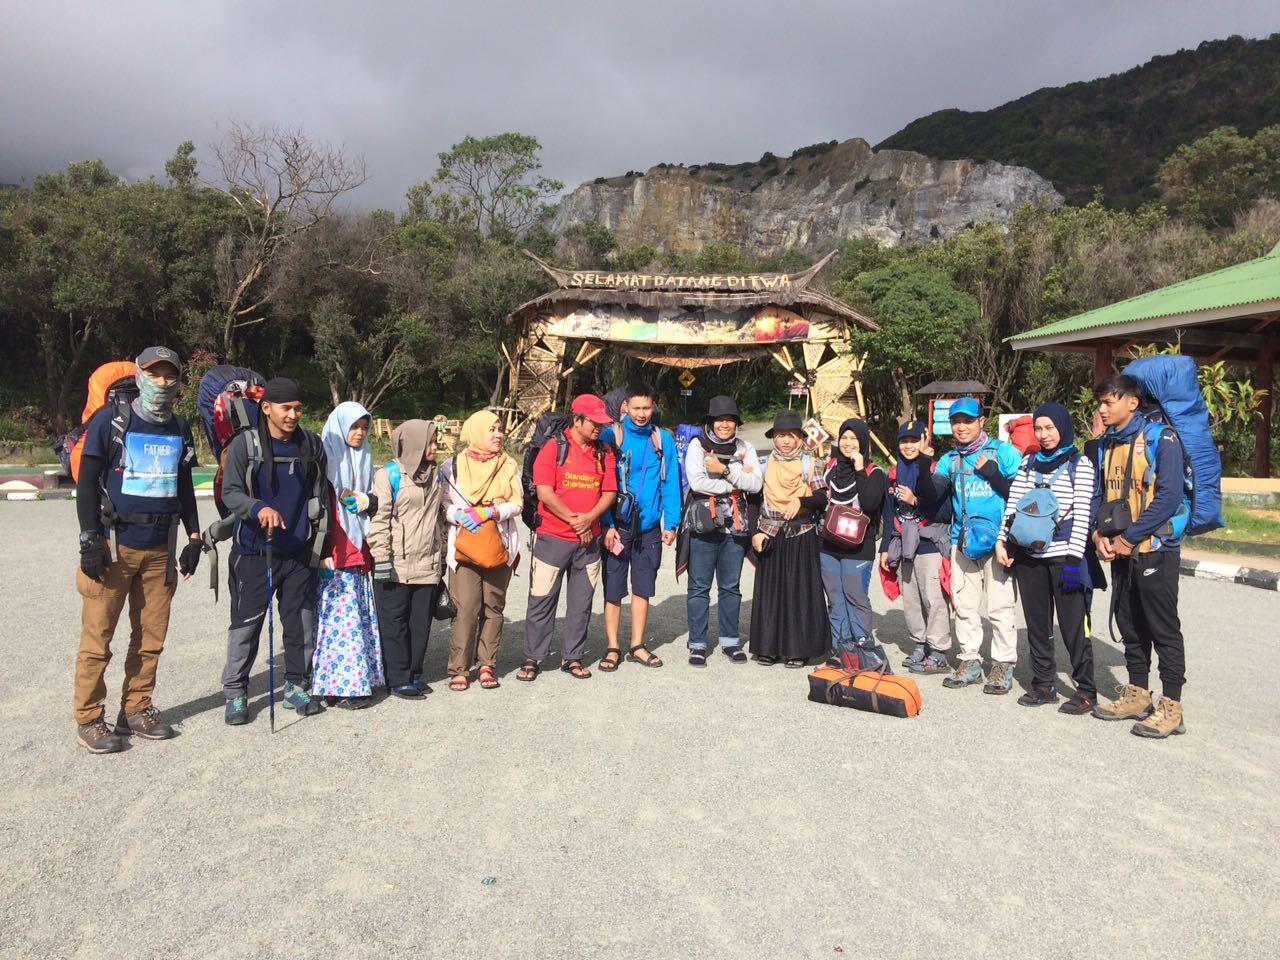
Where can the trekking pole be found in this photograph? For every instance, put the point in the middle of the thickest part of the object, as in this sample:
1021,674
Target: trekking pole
271,645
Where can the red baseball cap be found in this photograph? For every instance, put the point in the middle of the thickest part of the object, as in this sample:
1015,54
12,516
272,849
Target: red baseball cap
592,407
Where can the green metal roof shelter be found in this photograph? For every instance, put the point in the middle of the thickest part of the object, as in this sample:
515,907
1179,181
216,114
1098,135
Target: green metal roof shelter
1229,314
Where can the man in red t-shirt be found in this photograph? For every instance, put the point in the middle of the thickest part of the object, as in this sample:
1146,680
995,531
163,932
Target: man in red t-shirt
571,497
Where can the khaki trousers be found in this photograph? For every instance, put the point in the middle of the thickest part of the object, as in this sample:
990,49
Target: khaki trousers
137,576
481,597
972,583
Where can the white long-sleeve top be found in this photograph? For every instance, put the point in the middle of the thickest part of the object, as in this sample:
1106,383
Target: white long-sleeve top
743,473
1075,504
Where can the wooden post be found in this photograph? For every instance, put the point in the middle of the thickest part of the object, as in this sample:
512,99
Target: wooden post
1263,379
1103,360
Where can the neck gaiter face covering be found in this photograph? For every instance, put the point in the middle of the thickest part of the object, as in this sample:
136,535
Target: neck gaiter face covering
154,403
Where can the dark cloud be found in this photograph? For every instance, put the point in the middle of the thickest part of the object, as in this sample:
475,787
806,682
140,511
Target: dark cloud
605,87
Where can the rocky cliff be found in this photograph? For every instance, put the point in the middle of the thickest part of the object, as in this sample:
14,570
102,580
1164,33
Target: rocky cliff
812,200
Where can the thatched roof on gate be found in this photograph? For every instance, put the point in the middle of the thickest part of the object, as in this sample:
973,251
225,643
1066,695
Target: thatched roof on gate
721,292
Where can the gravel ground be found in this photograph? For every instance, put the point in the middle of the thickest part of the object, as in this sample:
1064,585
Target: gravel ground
672,813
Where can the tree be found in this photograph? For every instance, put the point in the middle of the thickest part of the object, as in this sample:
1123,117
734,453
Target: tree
283,184
491,183
1217,177
923,320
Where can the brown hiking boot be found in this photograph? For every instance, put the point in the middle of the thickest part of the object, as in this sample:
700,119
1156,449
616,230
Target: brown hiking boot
1166,719
1000,679
146,723
1134,703
96,737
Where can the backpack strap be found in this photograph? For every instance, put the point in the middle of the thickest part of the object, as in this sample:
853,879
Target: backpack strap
393,477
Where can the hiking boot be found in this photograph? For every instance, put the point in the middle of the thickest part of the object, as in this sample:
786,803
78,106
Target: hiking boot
1134,703
917,657
147,724
1001,678
295,698
1079,704
1166,719
934,662
966,672
237,713
96,737
1039,696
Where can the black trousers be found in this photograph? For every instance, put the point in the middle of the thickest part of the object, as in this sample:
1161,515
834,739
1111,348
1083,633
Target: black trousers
1040,592
404,622
1146,602
294,583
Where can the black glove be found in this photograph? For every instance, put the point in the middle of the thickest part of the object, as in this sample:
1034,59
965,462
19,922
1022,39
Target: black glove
373,506
189,559
94,559
384,572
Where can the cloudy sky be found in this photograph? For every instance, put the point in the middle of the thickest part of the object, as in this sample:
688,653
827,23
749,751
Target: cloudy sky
606,87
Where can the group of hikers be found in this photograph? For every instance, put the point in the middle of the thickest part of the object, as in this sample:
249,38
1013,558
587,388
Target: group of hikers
361,559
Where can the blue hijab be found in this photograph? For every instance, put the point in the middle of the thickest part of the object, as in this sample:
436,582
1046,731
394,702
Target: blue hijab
347,467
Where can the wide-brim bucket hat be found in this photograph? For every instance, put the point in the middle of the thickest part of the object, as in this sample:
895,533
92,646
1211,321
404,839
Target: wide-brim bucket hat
721,408
785,420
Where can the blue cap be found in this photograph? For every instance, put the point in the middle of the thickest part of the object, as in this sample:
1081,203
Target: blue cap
965,407
911,430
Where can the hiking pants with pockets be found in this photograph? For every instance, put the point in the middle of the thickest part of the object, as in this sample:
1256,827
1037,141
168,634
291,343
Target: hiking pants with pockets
294,582
972,583
924,605
1041,594
554,562
138,577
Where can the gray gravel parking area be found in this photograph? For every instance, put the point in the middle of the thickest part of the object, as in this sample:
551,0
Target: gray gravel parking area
649,813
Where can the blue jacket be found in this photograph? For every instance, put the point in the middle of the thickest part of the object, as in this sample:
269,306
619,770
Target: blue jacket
981,498
640,474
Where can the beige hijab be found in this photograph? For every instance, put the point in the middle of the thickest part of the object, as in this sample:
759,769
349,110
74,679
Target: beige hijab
484,477
784,479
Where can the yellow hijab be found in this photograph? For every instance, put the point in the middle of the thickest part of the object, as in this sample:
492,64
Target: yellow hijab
784,478
483,477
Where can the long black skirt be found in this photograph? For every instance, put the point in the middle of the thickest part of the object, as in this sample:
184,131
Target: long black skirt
789,610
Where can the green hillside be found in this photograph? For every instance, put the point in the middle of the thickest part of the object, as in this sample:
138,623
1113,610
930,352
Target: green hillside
1114,132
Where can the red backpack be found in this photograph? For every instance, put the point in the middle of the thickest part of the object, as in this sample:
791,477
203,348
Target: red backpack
1022,434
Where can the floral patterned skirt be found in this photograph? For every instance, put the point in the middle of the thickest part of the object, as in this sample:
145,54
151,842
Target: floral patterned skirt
348,657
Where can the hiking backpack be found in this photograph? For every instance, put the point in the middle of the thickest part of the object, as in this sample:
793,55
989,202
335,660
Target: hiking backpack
1038,515
1171,383
227,399
549,428
685,433
113,384
1022,434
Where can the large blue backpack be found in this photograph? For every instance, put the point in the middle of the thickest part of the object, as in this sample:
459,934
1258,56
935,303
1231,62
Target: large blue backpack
1171,383
1038,515
685,432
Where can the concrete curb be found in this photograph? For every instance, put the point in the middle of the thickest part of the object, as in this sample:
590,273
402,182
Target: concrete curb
1231,573
67,495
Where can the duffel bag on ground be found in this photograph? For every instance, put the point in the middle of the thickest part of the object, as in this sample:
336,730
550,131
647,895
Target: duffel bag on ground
869,690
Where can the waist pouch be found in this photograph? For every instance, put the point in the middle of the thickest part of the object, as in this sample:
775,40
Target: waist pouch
1114,518
869,690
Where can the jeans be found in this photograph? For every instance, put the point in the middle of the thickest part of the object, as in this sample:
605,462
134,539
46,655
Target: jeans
717,556
846,582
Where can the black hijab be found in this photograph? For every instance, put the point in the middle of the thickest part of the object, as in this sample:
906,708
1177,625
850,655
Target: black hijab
842,478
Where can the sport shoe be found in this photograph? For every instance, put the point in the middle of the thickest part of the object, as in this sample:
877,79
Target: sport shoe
96,737
917,657
237,713
1134,703
1001,679
966,672
295,698
1166,719
1079,704
935,662
147,724
1039,696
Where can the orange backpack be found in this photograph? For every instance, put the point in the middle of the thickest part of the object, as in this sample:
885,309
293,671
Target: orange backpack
112,383
1022,434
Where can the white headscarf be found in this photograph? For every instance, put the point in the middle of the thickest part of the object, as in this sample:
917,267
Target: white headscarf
347,467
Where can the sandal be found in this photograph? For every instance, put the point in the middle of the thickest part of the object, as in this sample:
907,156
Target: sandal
488,681
459,682
795,663
575,669
528,671
697,657
765,660
611,659
651,661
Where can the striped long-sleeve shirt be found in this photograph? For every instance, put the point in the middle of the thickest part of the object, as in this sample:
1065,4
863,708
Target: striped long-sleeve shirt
1075,506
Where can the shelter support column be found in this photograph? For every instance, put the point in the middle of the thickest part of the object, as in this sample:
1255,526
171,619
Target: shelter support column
1103,359
1263,379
